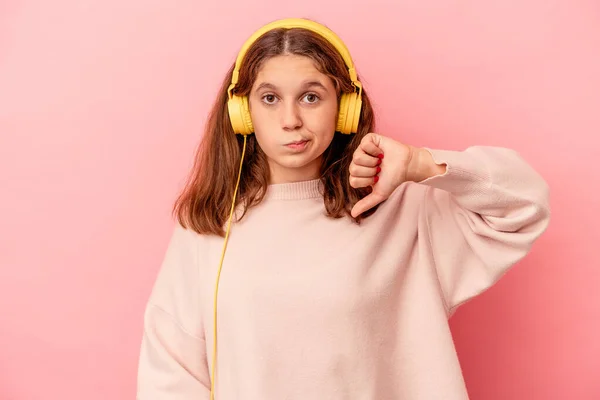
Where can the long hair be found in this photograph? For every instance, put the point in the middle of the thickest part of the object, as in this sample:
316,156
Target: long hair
205,202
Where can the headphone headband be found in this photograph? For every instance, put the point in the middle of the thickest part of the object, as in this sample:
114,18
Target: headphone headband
289,23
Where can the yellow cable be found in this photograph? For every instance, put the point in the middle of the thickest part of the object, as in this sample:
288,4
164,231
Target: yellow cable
214,358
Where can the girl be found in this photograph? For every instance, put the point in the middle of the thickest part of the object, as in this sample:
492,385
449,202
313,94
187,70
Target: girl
349,250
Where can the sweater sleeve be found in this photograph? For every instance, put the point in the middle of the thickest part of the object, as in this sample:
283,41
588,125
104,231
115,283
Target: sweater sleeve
482,216
172,362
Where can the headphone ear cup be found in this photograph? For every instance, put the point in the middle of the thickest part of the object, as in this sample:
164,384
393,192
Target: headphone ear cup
355,112
239,115
349,113
342,114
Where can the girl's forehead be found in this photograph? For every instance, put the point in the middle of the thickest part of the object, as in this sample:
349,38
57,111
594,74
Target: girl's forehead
288,69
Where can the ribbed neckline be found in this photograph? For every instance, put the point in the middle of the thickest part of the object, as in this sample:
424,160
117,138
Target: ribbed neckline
295,190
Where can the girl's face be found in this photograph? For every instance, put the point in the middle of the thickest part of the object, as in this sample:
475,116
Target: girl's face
294,110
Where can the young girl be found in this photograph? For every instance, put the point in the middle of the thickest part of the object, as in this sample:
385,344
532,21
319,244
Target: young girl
348,252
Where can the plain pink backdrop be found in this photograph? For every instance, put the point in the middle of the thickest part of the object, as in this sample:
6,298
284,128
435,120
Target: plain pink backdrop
102,104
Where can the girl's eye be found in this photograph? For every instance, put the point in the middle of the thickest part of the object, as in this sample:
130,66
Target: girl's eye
311,98
269,98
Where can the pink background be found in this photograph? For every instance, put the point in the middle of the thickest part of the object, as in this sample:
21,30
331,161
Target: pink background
101,106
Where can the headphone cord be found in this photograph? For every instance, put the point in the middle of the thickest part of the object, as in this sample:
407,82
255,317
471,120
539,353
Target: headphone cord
214,358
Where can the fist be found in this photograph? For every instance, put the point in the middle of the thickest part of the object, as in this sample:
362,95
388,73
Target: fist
379,162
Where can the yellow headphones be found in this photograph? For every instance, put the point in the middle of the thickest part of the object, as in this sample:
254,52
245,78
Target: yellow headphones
239,115
350,103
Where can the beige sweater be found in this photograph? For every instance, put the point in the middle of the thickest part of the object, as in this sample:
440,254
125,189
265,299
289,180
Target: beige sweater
312,308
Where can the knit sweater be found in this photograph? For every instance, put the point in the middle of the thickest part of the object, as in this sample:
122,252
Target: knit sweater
316,308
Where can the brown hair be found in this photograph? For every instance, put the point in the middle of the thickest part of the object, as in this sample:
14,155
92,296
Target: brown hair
205,203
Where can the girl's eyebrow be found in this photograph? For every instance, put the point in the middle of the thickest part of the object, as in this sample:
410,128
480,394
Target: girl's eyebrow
305,85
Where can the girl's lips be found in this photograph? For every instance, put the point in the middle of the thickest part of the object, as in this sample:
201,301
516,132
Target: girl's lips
298,145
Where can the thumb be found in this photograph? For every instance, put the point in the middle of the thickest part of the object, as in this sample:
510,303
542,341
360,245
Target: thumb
365,204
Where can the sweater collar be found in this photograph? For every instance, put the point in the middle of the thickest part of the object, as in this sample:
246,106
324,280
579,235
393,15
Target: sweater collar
295,190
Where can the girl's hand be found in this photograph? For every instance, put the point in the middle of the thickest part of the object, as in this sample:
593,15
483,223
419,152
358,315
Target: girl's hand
382,163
